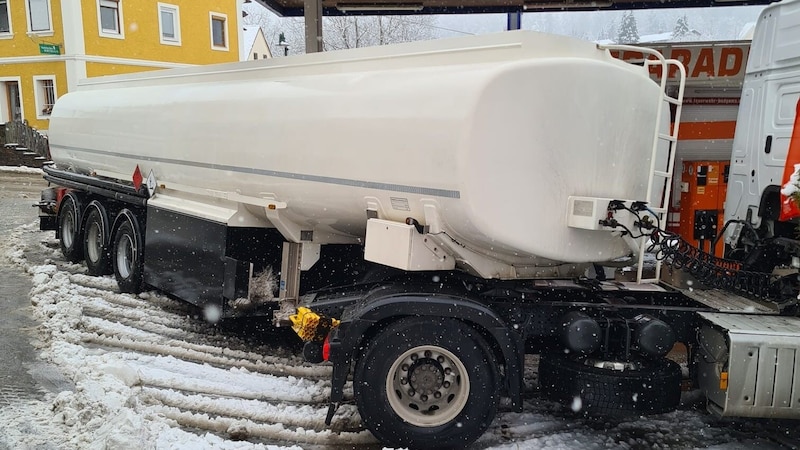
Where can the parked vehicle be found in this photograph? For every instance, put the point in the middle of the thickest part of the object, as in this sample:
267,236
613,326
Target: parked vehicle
438,211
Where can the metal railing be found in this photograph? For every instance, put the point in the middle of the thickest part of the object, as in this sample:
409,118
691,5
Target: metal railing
24,136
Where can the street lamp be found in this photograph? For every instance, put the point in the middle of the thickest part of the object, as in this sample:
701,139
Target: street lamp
282,44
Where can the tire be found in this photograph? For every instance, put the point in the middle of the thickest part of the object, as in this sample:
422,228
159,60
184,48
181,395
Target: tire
455,369
69,227
127,253
96,231
652,388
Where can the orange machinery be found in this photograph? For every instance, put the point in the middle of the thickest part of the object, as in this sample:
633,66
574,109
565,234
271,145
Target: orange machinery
704,185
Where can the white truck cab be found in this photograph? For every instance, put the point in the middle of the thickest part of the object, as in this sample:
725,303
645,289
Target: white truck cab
765,123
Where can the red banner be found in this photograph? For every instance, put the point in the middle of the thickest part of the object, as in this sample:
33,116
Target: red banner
790,208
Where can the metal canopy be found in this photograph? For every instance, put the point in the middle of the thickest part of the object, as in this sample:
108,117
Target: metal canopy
292,8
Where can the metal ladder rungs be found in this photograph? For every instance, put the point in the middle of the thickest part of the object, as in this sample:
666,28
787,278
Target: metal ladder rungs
662,173
673,100
668,137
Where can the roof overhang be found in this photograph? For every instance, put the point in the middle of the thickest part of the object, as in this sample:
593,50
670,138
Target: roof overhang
290,8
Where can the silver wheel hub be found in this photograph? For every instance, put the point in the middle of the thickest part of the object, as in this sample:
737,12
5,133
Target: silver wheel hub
125,255
427,386
94,239
68,229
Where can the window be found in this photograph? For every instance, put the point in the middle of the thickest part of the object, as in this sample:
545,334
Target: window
45,95
5,18
169,24
255,56
219,31
39,16
110,17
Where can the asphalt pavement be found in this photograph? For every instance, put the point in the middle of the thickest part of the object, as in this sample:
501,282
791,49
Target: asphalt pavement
22,374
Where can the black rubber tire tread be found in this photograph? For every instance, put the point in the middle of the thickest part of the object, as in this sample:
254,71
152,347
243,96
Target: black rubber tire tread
126,226
71,208
654,389
383,350
96,213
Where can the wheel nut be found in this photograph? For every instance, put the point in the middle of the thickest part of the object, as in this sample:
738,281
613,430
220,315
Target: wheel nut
440,359
428,353
403,381
448,371
446,384
405,367
411,392
424,398
437,394
414,357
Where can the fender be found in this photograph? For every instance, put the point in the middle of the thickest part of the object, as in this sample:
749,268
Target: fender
359,318
105,221
129,216
77,202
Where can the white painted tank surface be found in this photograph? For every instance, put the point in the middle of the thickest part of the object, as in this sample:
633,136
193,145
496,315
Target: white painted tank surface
494,131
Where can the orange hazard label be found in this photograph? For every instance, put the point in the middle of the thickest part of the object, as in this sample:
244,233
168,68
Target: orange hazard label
714,180
701,190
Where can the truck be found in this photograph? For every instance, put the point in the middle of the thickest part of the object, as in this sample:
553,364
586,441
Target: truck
434,217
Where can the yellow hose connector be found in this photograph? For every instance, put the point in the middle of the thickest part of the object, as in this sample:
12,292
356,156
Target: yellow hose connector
311,326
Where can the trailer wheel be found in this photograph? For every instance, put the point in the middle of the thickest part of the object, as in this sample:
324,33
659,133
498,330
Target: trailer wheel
127,253
69,227
95,239
651,387
427,382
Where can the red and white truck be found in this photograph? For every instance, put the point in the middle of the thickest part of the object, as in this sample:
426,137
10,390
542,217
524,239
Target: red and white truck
436,211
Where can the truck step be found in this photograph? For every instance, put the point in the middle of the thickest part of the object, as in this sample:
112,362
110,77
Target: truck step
749,365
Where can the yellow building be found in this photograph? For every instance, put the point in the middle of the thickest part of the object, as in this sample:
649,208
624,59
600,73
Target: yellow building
47,46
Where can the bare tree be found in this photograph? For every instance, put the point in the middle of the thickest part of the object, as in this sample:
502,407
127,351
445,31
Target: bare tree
366,31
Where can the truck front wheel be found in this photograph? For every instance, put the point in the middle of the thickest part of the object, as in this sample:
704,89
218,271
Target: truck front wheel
127,253
69,227
426,382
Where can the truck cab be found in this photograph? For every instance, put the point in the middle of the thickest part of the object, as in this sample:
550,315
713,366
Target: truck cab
765,126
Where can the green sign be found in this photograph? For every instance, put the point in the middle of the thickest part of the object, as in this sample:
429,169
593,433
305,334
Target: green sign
49,49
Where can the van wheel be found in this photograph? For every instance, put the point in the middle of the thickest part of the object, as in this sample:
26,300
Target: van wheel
95,239
643,387
426,382
127,253
69,227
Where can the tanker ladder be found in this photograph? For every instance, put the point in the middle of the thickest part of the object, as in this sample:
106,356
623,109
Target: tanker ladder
660,179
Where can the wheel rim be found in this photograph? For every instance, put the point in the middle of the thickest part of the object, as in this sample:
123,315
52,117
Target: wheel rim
94,241
427,386
68,229
125,256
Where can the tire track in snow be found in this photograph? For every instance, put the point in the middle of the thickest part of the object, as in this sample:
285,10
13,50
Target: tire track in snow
171,327
247,429
102,332
174,367
291,416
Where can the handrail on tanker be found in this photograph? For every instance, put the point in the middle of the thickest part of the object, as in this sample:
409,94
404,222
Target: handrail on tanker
654,58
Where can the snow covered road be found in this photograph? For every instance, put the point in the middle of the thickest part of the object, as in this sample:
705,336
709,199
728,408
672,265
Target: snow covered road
149,372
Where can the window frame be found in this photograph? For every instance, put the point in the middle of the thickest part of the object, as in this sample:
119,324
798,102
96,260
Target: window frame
47,32
218,16
39,95
176,23
10,33
120,33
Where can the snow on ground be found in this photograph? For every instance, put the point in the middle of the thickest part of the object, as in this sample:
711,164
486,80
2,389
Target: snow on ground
21,169
148,372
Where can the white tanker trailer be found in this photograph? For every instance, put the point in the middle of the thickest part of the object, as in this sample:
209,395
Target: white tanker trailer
482,140
441,200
